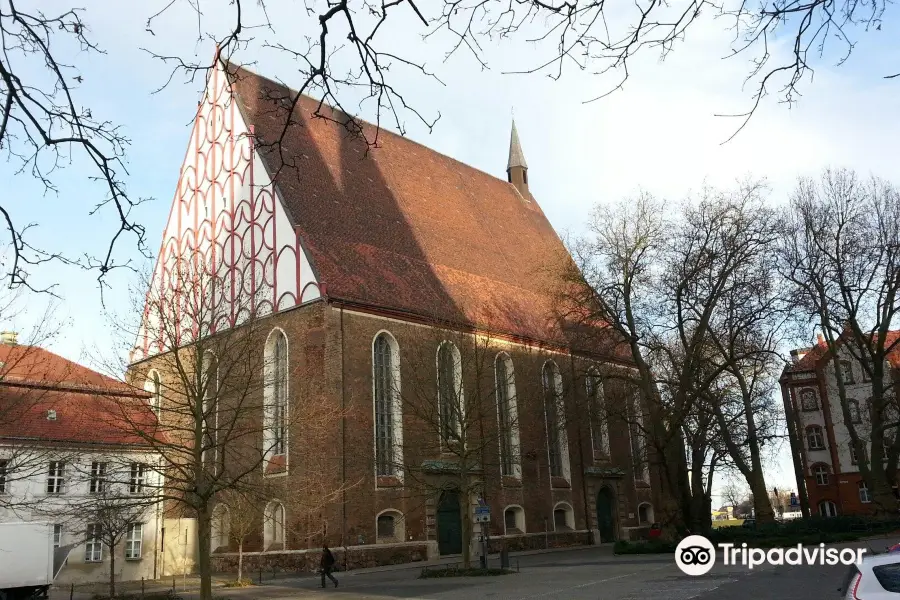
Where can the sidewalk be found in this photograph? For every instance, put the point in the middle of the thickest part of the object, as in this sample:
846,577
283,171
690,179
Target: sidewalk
191,583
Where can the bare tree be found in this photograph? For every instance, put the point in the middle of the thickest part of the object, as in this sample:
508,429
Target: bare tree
734,492
238,519
113,510
218,382
44,127
840,254
669,286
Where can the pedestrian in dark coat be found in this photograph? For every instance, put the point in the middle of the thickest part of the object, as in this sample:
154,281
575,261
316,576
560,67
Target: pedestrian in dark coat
327,565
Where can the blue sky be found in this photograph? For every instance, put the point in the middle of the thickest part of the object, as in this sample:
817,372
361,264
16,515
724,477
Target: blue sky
660,133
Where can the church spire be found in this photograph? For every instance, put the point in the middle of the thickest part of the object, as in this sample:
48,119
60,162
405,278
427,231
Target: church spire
516,167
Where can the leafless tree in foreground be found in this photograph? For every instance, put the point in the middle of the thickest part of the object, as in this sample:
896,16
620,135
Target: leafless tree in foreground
840,254
668,286
220,391
44,127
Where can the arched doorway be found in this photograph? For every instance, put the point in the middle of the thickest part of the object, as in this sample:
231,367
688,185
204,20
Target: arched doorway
449,524
606,522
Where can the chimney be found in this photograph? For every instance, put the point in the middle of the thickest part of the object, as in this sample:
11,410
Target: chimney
795,356
820,339
516,167
10,338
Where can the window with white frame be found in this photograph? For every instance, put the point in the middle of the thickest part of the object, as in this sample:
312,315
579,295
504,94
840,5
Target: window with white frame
854,456
507,415
821,474
450,393
134,535
389,526
154,386
138,478
98,477
638,438
4,474
598,418
645,513
514,520
815,438
276,394
563,517
273,528
57,536
864,496
388,416
808,399
846,371
93,547
555,418
56,477
853,409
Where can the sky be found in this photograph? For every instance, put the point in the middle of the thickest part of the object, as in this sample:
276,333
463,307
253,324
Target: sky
659,133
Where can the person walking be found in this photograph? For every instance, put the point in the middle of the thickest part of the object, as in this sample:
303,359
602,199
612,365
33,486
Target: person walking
327,564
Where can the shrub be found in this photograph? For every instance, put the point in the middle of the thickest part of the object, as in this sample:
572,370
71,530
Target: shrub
649,547
238,583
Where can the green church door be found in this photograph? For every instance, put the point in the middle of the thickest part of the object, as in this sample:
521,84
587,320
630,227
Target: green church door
605,519
449,524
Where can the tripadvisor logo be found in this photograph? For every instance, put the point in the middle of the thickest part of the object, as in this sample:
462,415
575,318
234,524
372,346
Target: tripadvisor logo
696,555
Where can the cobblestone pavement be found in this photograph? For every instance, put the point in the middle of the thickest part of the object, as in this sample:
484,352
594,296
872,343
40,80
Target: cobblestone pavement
582,574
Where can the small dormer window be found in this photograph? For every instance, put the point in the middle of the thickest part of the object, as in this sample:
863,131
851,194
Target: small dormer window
525,176
51,415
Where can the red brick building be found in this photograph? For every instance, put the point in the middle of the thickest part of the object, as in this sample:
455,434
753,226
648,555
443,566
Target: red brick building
368,260
824,460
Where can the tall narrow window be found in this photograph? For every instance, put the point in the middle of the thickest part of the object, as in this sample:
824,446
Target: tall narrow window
4,473
450,392
507,416
138,475
273,533
98,477
386,389
134,535
638,438
154,387
554,413
93,547
276,393
57,536
598,419
56,477
846,371
853,409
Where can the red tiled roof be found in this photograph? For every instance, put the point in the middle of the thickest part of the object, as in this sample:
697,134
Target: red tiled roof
820,350
90,407
404,228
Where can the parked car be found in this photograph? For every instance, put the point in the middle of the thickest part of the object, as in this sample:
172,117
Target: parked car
877,578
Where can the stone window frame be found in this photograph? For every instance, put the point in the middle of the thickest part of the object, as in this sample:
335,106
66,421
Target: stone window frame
399,527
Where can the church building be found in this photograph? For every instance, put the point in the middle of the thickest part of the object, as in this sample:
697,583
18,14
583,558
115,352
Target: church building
415,295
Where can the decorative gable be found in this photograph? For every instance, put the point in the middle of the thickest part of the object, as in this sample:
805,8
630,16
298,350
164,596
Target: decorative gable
227,216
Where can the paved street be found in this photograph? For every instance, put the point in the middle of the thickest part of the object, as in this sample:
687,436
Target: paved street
577,575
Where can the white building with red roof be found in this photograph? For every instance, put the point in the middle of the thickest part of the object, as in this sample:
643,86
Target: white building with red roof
65,451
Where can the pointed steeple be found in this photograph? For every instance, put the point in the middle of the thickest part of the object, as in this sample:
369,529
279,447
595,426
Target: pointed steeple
516,167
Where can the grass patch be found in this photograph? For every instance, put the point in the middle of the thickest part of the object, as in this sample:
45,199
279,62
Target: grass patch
452,571
727,523
238,583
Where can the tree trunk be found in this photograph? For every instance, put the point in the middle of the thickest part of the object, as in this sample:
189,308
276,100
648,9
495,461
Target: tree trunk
240,573
465,516
204,541
112,571
762,508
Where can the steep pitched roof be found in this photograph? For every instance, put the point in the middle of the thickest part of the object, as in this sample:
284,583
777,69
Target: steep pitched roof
402,227
516,156
90,408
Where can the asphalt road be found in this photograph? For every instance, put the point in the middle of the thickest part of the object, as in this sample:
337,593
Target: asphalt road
586,574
